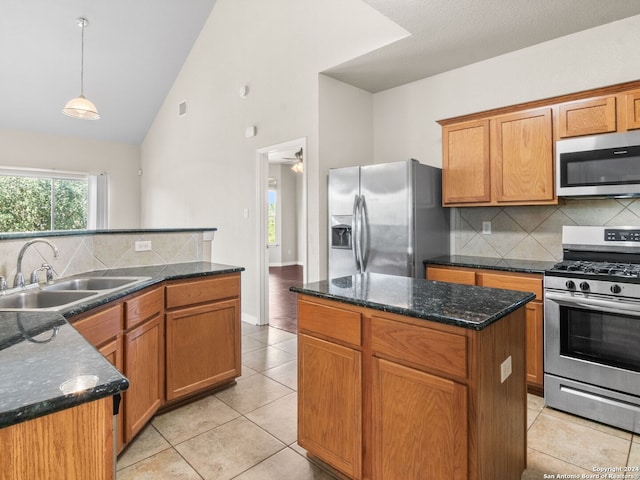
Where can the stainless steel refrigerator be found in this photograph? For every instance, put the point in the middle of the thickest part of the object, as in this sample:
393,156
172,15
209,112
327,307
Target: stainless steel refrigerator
386,218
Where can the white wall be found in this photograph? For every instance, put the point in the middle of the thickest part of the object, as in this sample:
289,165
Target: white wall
54,152
200,169
405,117
346,139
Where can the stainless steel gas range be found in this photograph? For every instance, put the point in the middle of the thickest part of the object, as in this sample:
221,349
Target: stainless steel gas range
592,326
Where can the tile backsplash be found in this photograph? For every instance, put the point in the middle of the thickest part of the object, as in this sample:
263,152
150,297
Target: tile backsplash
82,253
534,232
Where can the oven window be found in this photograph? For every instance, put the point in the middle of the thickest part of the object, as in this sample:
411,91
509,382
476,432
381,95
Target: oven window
605,338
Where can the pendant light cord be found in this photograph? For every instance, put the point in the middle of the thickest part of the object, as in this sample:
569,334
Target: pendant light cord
82,59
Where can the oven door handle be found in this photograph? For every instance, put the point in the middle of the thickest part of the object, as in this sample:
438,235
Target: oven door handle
627,308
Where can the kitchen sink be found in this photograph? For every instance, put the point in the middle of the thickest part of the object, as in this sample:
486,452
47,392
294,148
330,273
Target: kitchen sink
93,283
40,299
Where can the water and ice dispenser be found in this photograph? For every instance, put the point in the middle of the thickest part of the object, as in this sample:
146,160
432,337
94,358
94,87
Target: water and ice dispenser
341,231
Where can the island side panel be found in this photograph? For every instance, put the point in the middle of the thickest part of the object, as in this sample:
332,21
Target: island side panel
498,417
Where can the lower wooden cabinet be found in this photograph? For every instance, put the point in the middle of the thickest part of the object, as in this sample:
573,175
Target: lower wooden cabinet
410,399
75,443
534,310
433,410
330,394
202,348
202,334
168,357
103,329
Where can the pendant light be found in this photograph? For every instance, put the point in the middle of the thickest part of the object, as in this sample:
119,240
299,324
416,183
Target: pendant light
81,107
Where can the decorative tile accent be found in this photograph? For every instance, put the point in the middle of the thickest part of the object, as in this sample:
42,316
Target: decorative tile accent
534,232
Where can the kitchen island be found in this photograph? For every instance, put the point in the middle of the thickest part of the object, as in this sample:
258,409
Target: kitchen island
56,389
412,379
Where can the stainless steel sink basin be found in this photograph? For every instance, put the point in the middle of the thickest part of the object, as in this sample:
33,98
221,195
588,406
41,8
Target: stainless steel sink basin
40,299
93,283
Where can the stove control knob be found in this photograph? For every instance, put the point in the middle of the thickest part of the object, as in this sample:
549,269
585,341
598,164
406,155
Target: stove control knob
570,285
584,286
616,289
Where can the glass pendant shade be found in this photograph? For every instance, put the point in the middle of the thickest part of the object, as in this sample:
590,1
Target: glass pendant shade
297,167
82,108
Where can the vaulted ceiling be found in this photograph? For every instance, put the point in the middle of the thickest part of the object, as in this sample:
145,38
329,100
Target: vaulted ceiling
135,49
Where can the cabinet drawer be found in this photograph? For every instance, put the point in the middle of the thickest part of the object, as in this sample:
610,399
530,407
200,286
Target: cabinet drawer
511,282
423,346
336,323
452,275
143,307
203,290
100,327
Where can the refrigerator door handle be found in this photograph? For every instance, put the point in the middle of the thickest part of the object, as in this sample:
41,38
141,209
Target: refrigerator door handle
355,236
364,233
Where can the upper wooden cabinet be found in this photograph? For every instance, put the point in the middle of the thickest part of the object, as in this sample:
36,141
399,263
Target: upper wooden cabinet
507,160
587,117
522,157
631,110
466,171
505,156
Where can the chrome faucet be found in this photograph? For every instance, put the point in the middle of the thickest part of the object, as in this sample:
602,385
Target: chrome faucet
18,280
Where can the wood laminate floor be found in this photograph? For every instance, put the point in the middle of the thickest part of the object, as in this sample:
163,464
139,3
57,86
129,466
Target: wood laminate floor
282,302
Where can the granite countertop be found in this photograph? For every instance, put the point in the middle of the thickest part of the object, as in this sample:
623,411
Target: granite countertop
459,305
40,350
503,264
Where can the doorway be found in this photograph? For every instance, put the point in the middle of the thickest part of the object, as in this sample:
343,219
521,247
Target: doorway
282,230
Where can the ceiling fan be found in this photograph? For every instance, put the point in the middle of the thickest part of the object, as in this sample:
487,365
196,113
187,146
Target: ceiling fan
295,162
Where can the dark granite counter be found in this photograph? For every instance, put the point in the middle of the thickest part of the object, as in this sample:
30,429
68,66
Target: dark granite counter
71,233
40,350
503,264
460,305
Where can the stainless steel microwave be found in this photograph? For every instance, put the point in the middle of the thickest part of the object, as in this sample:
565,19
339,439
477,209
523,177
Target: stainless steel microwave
599,165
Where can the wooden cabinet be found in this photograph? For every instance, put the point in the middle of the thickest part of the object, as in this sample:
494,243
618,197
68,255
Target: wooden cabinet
466,169
143,359
522,158
420,424
505,160
202,334
330,386
587,117
330,390
70,444
103,329
534,311
383,396
631,110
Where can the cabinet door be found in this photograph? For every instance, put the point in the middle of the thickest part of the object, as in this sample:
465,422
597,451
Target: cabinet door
202,347
465,163
330,403
419,424
587,117
144,354
522,157
534,319
632,109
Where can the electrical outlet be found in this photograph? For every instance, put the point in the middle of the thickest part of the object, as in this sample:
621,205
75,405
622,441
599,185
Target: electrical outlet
486,228
505,369
142,245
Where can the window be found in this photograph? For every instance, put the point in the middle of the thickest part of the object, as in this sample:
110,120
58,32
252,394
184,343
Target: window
271,212
37,201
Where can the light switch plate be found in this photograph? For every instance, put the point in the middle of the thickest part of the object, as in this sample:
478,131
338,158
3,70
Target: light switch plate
486,228
505,369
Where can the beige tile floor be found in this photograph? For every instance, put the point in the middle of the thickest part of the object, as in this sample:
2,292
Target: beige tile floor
248,431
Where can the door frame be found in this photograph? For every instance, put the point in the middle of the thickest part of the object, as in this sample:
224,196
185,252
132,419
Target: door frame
262,164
